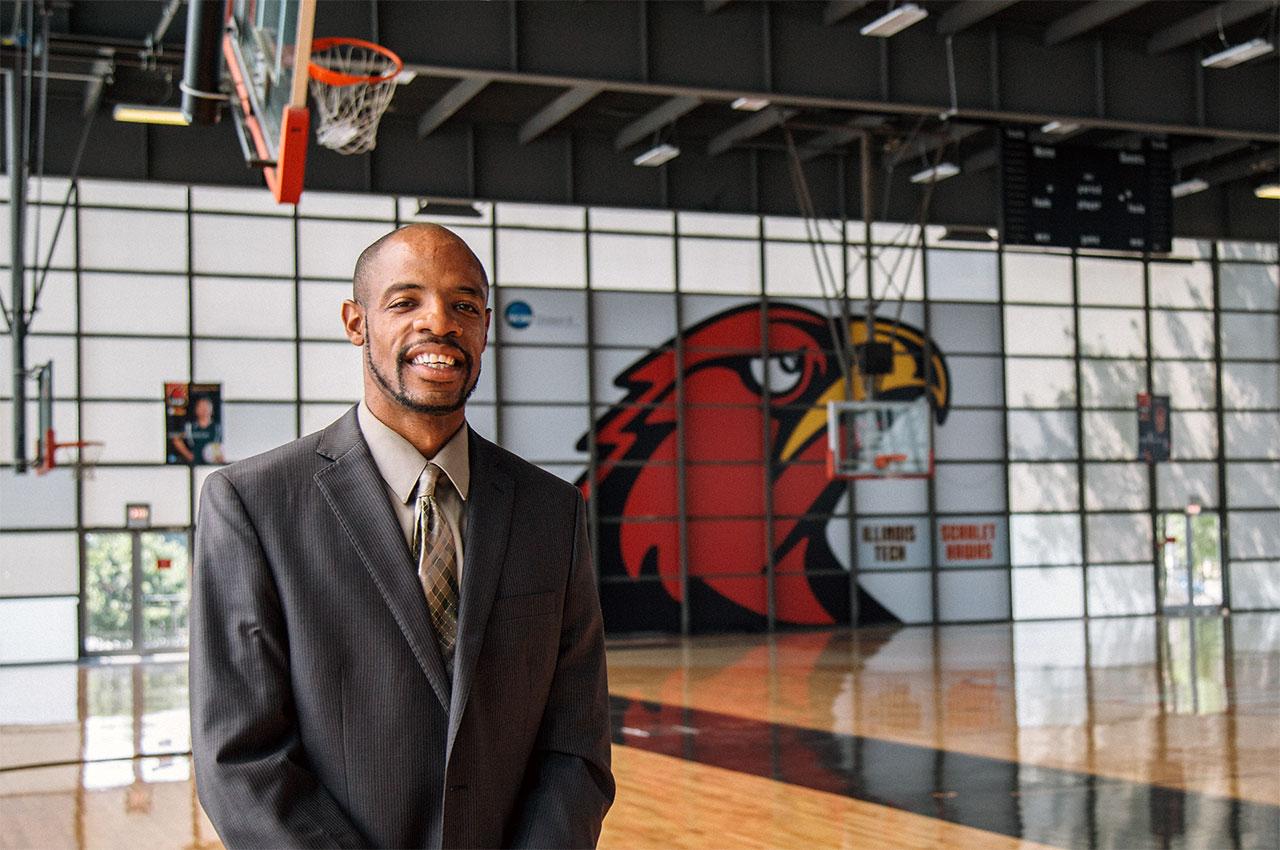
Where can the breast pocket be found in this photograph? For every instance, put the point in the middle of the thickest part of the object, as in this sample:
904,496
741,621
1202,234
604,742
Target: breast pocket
524,606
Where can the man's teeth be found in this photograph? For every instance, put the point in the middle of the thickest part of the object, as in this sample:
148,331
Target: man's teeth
434,360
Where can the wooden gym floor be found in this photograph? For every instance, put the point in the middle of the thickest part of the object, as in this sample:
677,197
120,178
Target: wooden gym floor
1125,733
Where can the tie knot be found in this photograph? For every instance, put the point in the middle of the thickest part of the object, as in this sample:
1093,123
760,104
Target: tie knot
427,481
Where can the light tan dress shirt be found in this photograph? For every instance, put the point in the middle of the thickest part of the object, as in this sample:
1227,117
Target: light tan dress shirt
401,465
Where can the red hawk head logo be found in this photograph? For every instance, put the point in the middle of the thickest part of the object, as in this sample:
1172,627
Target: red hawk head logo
727,473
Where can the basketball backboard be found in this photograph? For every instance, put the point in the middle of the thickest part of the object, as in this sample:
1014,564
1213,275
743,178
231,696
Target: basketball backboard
879,439
267,48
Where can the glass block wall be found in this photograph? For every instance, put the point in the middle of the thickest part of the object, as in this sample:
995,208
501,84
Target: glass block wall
660,361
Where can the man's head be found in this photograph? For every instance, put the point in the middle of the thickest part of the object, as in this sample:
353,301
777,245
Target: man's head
203,411
419,310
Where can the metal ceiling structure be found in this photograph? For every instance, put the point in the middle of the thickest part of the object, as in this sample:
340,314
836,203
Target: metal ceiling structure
551,101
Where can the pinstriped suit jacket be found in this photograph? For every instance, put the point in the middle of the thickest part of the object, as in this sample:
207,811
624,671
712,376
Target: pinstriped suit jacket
321,712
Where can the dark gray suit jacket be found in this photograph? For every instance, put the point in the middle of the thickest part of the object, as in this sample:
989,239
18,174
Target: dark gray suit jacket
321,712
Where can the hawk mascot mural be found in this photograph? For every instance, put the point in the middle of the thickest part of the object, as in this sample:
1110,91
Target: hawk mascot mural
636,479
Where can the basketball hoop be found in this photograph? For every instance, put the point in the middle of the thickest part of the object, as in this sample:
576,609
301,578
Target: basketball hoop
352,82
81,456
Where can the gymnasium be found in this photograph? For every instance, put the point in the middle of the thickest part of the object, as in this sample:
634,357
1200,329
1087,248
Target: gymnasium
918,364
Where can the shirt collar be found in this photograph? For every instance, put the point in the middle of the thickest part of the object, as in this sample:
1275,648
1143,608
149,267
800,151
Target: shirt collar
400,464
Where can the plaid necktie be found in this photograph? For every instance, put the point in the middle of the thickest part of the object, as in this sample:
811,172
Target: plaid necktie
437,564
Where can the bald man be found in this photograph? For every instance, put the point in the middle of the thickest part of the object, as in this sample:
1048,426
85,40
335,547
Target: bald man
395,631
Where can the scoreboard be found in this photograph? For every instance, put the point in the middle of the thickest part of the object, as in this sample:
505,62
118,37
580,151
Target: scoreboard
1079,197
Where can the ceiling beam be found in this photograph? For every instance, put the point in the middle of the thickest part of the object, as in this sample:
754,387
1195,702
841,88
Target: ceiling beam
1205,23
710,7
556,111
969,12
1087,18
838,10
1205,151
1240,168
655,120
763,121
453,100
838,136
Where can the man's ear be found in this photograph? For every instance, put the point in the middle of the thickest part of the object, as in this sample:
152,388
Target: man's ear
353,321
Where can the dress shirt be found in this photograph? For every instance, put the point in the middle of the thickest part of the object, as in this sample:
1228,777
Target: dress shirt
401,465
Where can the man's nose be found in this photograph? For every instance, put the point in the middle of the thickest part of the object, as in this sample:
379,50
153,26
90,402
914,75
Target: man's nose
435,318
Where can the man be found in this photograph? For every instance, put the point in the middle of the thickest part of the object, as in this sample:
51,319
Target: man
389,652
201,437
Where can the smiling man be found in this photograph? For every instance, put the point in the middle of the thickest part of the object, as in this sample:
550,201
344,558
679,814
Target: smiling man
395,632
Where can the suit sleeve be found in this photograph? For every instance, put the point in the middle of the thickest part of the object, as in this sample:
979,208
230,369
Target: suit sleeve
570,786
251,773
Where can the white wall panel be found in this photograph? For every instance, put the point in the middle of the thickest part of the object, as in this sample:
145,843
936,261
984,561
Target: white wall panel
1182,285
1110,332
34,630
1249,286
906,595
1041,593
1112,538
328,249
968,487
719,265
1037,278
1195,435
234,244
544,373
37,501
1040,382
1042,435
320,309
1040,539
1182,334
151,362
247,370
332,371
1110,486
544,315
790,269
971,595
1250,336
1110,435
1250,386
1182,484
249,429
1043,487
1114,282
133,432
564,216
1112,383
1254,534
632,263
41,349
347,205
965,328
544,433
227,306
1189,384
970,435
146,241
166,489
1039,330
645,320
56,310
633,221
962,275
1121,590
133,304
1252,436
898,273
39,563
541,258
1255,584
235,199
121,193
1253,485
890,496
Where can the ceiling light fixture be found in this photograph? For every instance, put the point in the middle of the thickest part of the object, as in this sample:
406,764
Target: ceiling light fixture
1268,190
453,209
1059,128
140,113
934,173
657,155
1240,53
1188,187
895,21
749,104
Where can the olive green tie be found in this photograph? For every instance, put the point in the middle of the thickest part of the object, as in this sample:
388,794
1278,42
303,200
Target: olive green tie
437,564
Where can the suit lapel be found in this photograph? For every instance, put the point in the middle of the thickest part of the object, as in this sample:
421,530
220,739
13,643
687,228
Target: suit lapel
357,494
483,553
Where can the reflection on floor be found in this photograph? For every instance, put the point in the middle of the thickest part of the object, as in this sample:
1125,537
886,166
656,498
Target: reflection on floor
1111,733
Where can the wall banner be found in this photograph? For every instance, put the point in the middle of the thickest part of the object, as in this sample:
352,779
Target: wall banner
193,424
972,541
893,543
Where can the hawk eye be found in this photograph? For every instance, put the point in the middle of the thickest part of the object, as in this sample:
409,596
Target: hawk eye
785,371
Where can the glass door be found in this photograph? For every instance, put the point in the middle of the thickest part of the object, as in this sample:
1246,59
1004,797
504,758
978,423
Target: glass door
136,591
1190,560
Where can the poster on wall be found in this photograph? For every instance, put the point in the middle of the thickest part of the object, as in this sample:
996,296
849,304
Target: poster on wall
898,543
972,541
1154,439
193,424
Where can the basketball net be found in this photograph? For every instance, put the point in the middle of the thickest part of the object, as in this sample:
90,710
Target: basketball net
352,82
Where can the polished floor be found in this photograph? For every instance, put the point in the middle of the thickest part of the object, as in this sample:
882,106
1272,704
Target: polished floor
1126,733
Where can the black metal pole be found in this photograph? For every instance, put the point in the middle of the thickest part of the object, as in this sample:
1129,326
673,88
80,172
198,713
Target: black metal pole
202,70
18,264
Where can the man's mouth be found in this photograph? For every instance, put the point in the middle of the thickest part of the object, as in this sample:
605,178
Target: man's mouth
433,360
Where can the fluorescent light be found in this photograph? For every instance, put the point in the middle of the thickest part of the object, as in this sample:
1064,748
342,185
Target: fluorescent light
1059,128
895,21
455,209
933,174
964,233
135,113
657,155
405,77
1268,191
1240,53
1188,187
749,104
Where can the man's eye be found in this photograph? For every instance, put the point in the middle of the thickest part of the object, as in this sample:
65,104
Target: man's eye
467,306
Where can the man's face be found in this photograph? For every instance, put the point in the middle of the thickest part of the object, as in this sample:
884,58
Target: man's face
425,322
204,412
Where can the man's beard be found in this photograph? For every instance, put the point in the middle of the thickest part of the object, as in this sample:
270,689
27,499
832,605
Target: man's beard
401,394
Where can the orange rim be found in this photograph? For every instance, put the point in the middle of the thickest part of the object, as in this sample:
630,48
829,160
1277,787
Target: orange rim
337,78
